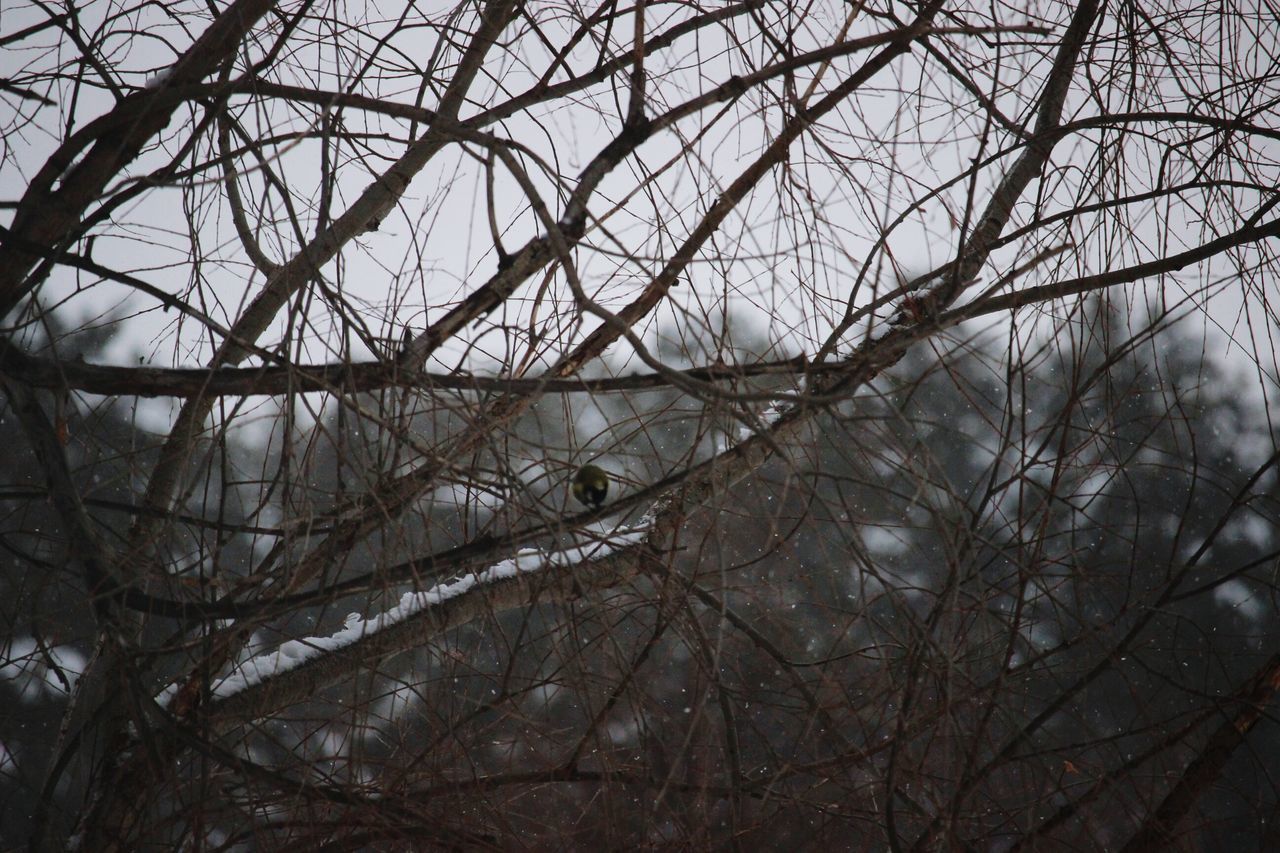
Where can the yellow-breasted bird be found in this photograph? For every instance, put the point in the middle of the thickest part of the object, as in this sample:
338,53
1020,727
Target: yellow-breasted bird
591,485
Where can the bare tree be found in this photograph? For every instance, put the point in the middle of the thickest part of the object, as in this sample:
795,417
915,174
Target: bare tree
928,351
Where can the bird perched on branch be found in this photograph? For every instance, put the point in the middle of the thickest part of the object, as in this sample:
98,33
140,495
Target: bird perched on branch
591,485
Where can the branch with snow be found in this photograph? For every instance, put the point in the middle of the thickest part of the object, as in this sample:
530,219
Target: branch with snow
298,667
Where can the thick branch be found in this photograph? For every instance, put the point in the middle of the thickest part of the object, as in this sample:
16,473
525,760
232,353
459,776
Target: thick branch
48,217
349,378
1158,831
552,583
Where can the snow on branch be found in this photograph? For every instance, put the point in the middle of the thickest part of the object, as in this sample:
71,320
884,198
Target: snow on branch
294,653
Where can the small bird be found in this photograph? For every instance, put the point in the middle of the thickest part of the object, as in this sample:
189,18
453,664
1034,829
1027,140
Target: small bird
591,485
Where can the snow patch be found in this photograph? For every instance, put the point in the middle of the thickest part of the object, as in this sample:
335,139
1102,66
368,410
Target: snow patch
1237,595
883,541
38,674
155,81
